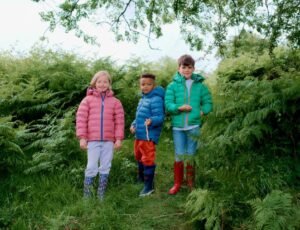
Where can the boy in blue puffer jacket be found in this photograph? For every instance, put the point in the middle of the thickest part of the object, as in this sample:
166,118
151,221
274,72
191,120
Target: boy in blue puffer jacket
147,127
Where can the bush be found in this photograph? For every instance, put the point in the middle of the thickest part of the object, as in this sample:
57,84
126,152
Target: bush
248,146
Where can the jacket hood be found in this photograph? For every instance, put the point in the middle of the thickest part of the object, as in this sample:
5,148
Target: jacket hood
196,77
157,91
93,91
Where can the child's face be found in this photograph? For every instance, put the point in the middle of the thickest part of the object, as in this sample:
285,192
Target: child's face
102,83
186,71
146,85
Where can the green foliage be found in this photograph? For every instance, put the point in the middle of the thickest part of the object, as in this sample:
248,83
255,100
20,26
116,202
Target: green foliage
58,144
247,166
275,20
203,205
36,87
164,69
41,93
248,146
275,211
245,44
11,156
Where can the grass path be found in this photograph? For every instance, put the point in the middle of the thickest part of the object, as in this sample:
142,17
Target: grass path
159,210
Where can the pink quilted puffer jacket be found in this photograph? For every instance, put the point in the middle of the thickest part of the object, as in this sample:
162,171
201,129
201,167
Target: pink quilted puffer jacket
100,117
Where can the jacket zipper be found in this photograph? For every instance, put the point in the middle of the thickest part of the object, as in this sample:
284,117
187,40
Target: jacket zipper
138,111
189,101
183,116
101,117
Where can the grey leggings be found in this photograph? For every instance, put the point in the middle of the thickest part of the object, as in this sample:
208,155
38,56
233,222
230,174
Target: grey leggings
99,153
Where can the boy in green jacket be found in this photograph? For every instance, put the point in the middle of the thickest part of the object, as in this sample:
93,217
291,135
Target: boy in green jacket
186,99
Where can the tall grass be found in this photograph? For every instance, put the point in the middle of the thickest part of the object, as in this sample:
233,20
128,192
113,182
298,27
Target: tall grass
55,201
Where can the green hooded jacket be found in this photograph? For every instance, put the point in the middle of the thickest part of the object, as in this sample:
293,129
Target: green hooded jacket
177,95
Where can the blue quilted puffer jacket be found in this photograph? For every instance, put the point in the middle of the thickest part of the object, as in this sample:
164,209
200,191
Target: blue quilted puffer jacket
151,106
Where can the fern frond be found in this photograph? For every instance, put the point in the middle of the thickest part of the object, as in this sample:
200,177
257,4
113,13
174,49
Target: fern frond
203,205
275,211
6,131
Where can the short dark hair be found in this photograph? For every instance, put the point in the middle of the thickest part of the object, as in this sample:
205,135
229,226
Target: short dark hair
148,75
186,60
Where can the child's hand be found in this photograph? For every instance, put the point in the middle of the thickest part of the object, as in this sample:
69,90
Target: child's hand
118,144
185,108
132,129
148,122
83,144
202,114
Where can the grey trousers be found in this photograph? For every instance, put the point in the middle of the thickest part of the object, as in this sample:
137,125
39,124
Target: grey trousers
100,155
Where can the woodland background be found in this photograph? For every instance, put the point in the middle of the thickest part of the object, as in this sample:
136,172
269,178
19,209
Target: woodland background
247,167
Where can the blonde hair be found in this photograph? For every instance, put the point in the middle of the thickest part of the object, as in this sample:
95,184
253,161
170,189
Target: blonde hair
99,74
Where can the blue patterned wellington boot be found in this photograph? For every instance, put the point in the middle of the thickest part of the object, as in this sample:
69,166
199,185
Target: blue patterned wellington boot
103,178
87,186
148,180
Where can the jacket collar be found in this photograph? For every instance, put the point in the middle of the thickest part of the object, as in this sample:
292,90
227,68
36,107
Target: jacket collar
158,91
93,91
196,77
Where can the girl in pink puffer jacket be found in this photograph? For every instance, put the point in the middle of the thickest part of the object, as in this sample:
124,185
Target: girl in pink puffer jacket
100,129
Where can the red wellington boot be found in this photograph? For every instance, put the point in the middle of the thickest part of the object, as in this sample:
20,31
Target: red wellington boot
178,176
190,175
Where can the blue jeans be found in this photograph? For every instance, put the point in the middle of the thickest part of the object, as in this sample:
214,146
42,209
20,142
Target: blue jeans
185,142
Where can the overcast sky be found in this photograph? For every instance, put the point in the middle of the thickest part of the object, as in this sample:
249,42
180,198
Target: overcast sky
21,28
